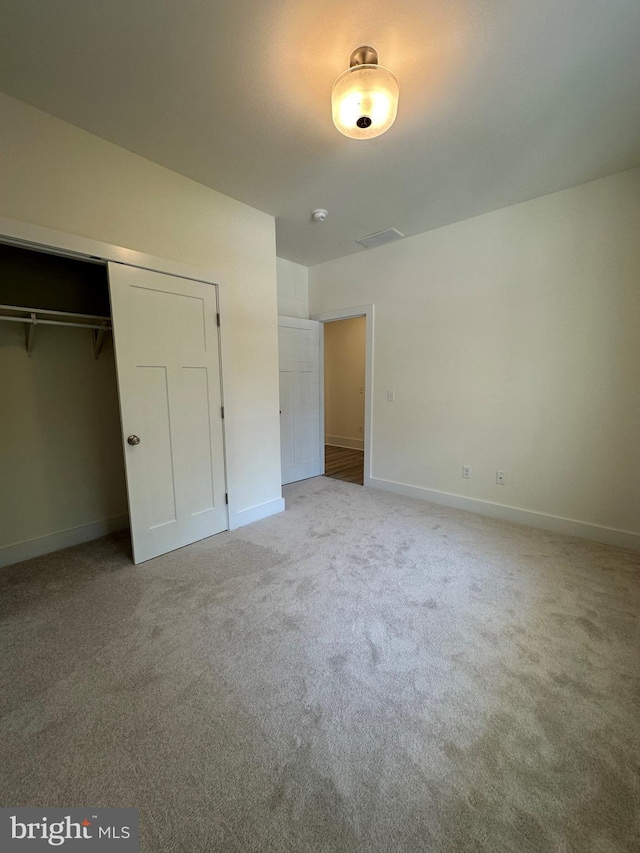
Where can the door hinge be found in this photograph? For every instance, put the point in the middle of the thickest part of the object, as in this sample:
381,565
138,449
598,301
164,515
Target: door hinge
226,498
218,319
222,412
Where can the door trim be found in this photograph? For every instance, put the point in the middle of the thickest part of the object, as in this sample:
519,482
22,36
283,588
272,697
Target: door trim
38,238
366,311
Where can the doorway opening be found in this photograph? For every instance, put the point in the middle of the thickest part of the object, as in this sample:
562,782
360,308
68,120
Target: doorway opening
339,456
344,399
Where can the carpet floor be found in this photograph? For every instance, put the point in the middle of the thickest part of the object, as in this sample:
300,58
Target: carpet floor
363,672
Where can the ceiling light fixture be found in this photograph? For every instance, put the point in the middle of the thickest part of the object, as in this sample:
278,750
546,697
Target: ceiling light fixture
364,99
319,215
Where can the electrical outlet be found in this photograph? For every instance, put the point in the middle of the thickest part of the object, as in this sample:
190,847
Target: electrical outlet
466,472
501,478
391,396
360,428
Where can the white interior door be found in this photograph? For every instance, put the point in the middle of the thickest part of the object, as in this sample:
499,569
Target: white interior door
300,428
167,357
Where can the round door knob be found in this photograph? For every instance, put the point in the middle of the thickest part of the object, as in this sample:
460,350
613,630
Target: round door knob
133,440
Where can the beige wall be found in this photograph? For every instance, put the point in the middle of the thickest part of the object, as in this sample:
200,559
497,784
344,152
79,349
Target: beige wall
512,341
293,289
55,175
344,358
60,444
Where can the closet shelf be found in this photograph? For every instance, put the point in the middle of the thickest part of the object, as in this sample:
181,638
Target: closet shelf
32,317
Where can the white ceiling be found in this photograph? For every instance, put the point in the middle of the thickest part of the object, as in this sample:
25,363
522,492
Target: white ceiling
500,100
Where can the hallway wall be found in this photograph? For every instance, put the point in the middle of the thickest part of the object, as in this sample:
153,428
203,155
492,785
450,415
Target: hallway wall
344,377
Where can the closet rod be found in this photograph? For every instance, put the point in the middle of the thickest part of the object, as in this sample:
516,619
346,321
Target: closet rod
37,317
36,321
30,311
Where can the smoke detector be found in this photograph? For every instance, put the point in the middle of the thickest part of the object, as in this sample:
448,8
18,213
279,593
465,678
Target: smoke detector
319,215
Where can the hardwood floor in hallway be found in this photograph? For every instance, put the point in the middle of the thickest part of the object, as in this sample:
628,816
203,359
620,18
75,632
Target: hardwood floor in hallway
343,463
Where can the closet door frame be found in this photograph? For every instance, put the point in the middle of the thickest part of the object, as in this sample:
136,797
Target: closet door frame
36,237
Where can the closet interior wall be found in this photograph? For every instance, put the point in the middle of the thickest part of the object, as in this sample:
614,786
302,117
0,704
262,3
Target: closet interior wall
61,452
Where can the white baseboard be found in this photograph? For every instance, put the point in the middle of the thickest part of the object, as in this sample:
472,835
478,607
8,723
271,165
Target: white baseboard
255,513
11,554
606,535
341,441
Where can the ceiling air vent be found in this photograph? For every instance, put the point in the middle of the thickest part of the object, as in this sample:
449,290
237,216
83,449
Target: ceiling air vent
380,238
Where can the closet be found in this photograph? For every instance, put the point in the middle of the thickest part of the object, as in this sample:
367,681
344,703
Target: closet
62,476
110,404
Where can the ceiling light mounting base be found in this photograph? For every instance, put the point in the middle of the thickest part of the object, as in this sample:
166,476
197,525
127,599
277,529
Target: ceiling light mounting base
319,215
364,55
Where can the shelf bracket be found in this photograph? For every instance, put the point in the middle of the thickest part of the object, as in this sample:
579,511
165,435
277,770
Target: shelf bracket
98,338
30,333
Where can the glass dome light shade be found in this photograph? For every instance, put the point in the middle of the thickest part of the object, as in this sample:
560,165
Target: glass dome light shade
364,101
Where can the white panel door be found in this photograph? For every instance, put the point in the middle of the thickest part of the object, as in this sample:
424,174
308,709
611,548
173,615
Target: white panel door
167,357
300,428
